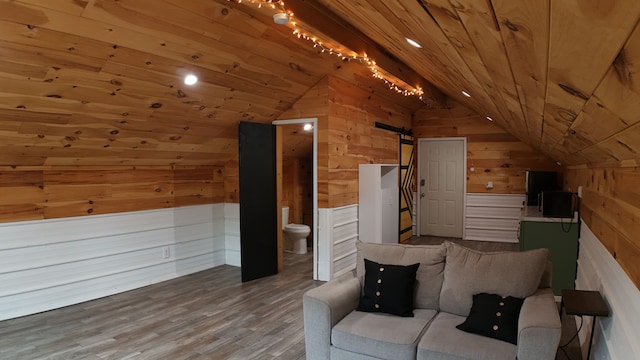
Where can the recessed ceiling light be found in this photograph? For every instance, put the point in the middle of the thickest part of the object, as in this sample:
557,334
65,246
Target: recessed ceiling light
281,18
190,79
308,127
466,93
489,118
413,43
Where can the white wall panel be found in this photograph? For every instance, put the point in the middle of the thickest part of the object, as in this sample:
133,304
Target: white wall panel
493,217
325,244
495,200
344,264
46,232
232,234
479,212
76,292
44,255
53,263
616,336
337,235
345,234
492,223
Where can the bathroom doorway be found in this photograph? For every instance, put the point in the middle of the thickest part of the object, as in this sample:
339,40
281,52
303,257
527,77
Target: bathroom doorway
297,144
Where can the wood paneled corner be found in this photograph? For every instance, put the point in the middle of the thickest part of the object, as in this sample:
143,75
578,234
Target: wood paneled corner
353,138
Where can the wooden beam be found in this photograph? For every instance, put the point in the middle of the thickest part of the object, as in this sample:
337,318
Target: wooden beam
316,15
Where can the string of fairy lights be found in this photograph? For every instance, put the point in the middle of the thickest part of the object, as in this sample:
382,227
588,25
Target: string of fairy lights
363,59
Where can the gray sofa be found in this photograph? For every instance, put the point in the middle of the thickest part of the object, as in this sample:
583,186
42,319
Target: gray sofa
445,283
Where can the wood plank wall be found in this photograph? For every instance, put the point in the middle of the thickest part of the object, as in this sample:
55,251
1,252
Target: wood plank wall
353,138
610,206
297,190
45,192
347,137
313,104
346,114
494,154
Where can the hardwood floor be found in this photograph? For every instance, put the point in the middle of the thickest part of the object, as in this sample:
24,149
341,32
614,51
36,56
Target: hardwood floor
206,315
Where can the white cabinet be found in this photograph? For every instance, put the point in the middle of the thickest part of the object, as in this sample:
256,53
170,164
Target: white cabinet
378,210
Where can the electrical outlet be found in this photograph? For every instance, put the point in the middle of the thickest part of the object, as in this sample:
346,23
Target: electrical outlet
166,252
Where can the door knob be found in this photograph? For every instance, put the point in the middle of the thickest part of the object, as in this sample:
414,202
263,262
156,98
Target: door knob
421,195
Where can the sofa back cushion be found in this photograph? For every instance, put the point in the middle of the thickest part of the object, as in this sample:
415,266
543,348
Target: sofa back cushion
468,272
430,273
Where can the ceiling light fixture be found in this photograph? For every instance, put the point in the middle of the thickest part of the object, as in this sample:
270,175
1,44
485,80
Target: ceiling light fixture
489,118
281,18
466,94
413,43
190,79
307,127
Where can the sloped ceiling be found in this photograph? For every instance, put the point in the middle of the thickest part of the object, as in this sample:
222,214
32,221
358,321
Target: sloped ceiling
559,75
99,82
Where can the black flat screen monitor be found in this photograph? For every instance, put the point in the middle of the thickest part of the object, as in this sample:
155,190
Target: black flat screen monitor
539,181
558,204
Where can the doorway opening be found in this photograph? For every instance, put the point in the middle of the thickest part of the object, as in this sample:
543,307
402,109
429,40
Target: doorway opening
297,165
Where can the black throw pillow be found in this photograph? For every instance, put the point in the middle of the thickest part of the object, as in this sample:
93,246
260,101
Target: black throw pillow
494,316
388,288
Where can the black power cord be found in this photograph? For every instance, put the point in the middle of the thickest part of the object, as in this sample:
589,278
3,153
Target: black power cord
575,205
563,346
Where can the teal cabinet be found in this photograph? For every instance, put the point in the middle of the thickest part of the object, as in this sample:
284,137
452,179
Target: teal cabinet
561,238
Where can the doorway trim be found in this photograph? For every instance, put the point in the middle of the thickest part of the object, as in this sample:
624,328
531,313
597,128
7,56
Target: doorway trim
314,122
421,143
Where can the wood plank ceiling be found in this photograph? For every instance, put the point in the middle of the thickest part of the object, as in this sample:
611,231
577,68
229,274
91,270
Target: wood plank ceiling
99,82
559,75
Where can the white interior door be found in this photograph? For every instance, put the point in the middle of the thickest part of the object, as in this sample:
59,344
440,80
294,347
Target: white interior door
441,187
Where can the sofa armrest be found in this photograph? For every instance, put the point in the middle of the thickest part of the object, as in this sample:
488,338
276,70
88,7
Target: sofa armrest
325,306
539,327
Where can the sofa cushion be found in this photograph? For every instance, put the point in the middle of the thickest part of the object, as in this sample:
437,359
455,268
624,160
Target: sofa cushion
443,341
388,288
494,316
381,335
429,276
468,272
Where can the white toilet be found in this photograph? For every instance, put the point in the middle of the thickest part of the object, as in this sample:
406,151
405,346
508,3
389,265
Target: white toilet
294,235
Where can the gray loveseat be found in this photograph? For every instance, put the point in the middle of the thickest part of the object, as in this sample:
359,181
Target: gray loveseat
447,279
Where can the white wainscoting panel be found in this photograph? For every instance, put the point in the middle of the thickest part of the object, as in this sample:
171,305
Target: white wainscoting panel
232,234
345,234
616,337
199,238
493,217
48,264
337,235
